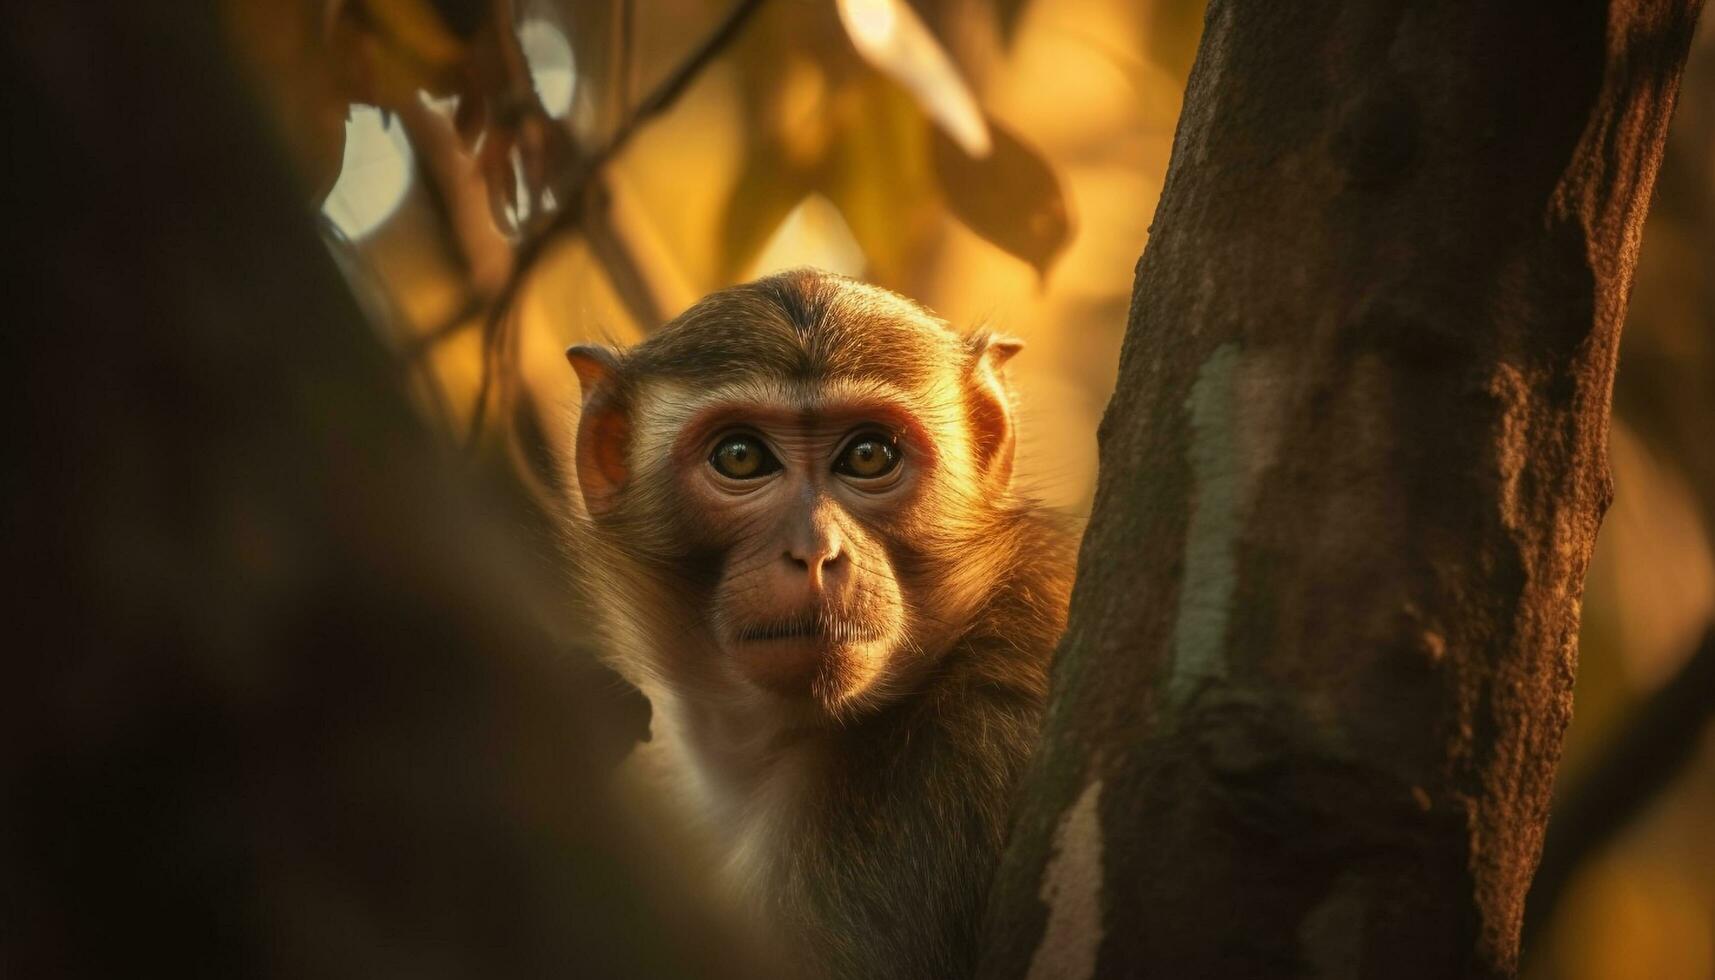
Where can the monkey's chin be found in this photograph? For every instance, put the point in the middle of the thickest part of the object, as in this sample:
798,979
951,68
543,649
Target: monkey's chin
813,668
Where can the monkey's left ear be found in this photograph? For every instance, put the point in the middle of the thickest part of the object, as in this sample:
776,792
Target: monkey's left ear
990,405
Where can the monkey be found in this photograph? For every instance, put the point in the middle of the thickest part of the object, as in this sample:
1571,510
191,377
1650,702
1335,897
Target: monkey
809,554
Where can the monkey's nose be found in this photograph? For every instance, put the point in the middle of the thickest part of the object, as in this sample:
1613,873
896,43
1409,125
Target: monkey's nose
817,560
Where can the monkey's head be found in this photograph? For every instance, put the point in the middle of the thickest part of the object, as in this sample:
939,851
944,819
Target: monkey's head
796,491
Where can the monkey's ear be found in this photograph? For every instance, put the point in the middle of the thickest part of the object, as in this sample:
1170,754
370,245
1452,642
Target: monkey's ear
990,406
604,428
1001,349
594,365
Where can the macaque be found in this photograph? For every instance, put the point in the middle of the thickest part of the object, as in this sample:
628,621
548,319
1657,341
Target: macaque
807,551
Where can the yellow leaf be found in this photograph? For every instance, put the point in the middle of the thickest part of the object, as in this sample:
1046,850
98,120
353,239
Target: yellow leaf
1010,197
891,36
880,177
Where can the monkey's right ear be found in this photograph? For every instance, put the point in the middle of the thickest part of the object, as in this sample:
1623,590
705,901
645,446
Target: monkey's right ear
1001,349
604,430
990,404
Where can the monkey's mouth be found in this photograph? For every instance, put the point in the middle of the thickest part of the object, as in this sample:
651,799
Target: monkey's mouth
828,630
820,654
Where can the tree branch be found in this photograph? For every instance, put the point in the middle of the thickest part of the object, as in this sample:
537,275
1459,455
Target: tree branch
573,191
287,701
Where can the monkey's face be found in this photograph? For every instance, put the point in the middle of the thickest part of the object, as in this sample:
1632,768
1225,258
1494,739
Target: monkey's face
809,507
813,538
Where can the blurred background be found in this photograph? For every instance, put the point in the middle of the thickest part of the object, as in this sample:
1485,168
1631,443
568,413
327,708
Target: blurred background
502,178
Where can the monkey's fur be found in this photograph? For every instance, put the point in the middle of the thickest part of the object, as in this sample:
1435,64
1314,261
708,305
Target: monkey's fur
858,797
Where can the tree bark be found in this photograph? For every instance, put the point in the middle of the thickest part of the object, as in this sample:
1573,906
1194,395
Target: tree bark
1663,393
1306,715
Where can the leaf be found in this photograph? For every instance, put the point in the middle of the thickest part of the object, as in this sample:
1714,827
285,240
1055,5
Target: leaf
891,36
1011,197
828,124
880,177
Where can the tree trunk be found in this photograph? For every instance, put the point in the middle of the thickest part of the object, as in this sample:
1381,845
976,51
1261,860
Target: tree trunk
1307,713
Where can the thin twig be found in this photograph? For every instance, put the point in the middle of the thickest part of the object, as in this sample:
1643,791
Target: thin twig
573,192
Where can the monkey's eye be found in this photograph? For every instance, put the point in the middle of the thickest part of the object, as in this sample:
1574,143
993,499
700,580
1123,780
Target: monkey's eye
868,456
742,457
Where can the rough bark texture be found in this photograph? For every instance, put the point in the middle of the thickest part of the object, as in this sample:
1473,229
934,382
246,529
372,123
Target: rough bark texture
1306,715
1663,392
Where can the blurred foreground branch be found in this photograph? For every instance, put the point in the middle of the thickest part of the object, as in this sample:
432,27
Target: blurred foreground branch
282,699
